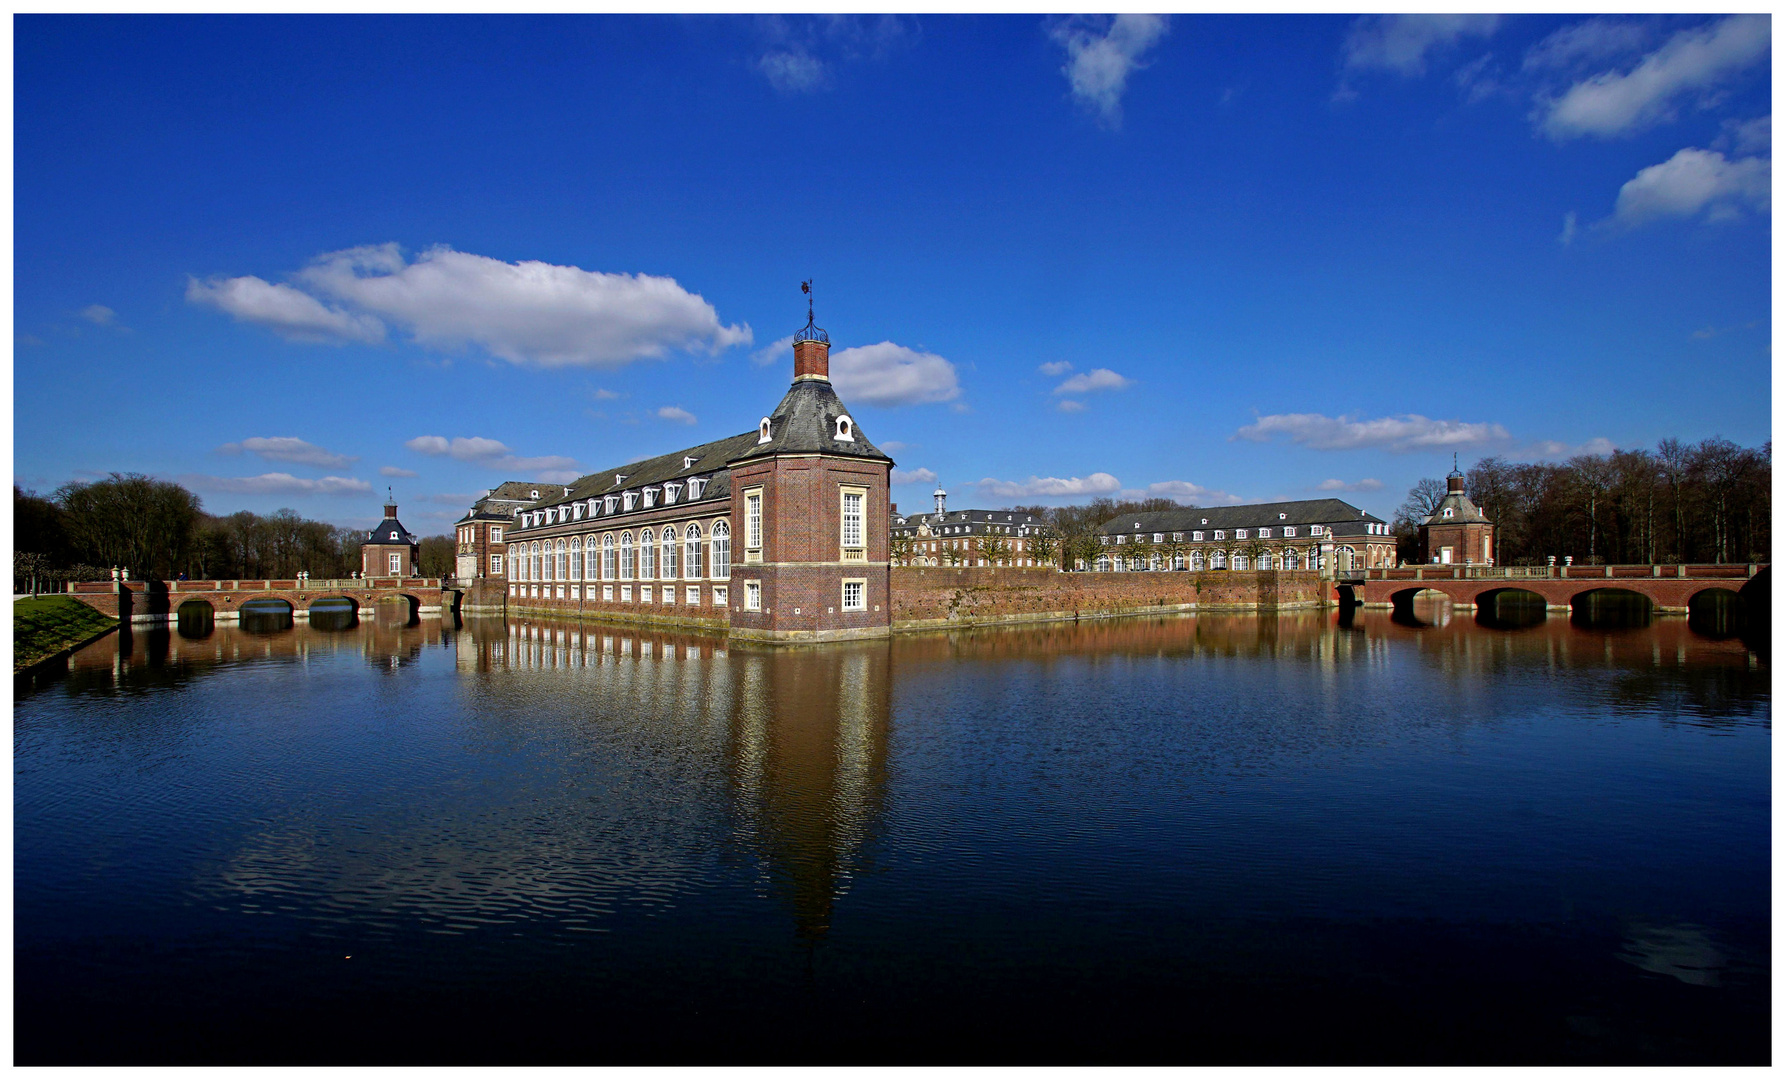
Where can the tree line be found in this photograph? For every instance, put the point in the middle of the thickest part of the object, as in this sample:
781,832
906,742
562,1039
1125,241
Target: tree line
1680,502
158,529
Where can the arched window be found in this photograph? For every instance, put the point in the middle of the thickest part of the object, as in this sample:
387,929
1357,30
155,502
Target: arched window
721,550
647,556
563,569
691,553
576,558
762,431
625,556
669,553
607,557
1289,559
845,429
1239,562
1218,560
1196,560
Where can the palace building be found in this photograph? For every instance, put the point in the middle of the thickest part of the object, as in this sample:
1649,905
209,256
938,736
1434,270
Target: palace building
389,550
965,537
1456,532
780,532
1265,536
481,550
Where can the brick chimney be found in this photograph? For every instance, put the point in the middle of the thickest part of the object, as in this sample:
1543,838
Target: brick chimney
811,360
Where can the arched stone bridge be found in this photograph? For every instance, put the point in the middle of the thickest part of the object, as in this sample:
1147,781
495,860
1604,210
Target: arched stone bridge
161,601
1669,588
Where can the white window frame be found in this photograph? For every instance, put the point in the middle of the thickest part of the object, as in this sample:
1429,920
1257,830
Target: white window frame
858,551
719,556
495,563
753,525
721,595
860,588
395,562
752,596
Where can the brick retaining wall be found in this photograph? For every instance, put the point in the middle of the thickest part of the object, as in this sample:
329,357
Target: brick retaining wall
926,597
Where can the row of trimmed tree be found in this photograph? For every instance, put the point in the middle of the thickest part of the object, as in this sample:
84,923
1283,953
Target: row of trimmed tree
1680,502
158,529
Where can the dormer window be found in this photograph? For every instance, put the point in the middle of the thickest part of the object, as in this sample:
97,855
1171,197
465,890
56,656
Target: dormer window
845,429
670,491
1205,521
629,500
650,497
618,479
688,462
1448,511
1239,534
608,503
1282,517
577,512
762,431
535,493
696,486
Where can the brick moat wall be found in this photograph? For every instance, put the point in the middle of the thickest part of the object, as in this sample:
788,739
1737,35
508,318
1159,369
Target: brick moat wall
941,596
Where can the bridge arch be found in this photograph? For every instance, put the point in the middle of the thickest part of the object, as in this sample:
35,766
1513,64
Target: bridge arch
334,613
1510,608
265,614
195,619
1717,612
1403,600
1610,609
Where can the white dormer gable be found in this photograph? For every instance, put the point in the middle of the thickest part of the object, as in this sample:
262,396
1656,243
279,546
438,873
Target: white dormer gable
696,485
688,461
762,431
670,491
629,500
845,429
608,502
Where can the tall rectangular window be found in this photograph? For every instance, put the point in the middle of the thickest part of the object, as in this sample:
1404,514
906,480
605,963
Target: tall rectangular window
853,503
855,596
753,520
752,596
495,564
396,563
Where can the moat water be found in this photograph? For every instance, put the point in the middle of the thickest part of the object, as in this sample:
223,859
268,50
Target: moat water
1304,838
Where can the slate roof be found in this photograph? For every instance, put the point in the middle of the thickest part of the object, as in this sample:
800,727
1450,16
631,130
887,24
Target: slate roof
389,531
499,502
1333,512
1463,512
806,423
709,464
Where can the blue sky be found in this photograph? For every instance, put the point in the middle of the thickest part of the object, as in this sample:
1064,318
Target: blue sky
290,261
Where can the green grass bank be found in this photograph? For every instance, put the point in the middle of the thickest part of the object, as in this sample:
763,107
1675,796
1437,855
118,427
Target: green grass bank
46,625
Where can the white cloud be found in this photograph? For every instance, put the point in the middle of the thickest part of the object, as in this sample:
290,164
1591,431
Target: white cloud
792,62
793,71
893,446
98,314
676,413
392,470
600,394
276,484
775,352
1399,434
1100,483
288,312
1100,55
525,312
1556,450
1592,41
1748,136
1067,405
1186,492
1570,226
1340,485
913,476
1055,368
285,448
1691,63
1096,379
889,374
1402,43
1696,180
496,455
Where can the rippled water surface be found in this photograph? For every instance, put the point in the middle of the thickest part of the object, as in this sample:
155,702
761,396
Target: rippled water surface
1214,839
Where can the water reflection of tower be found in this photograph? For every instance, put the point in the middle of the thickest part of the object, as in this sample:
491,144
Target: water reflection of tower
809,747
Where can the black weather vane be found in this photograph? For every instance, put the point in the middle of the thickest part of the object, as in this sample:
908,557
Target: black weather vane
806,287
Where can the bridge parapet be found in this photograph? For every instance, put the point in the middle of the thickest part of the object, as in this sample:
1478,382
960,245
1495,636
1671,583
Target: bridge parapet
1440,572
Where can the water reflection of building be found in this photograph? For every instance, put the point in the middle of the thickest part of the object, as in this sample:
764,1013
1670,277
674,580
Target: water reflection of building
809,751
804,743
